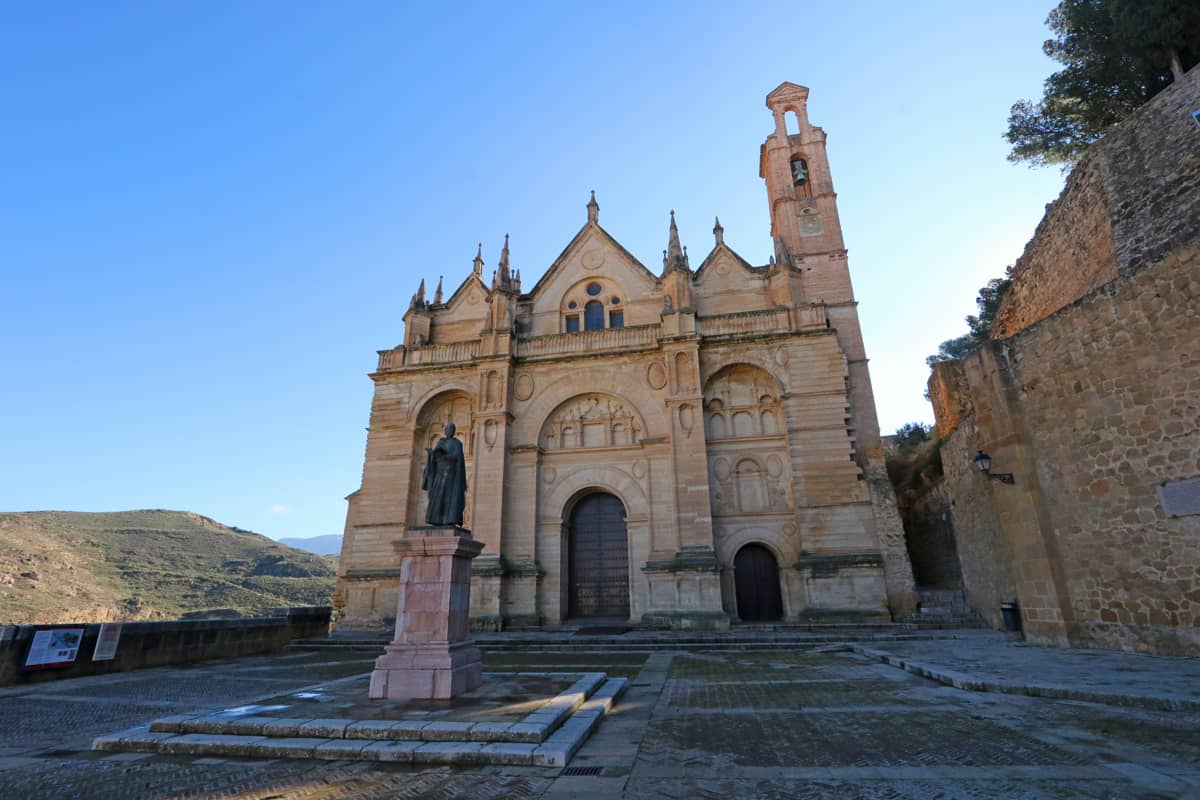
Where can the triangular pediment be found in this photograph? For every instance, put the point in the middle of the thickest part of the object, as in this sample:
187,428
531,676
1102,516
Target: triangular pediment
468,300
722,260
788,92
593,251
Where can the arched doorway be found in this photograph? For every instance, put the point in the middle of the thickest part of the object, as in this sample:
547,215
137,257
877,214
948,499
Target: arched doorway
598,566
756,576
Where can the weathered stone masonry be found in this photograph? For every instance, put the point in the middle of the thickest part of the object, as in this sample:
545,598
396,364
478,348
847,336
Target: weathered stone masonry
1091,397
728,409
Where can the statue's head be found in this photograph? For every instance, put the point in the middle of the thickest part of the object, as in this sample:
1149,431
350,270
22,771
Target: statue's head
449,430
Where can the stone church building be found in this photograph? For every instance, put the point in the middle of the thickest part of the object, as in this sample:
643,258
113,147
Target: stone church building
681,447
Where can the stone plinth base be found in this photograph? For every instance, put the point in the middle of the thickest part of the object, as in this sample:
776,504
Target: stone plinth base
436,671
432,656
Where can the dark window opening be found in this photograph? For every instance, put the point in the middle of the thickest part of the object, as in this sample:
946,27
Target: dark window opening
616,301
573,323
616,319
593,289
593,316
572,305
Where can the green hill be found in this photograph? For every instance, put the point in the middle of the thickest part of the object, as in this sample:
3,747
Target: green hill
60,566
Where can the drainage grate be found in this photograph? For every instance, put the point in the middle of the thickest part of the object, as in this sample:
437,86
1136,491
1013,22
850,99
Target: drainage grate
582,771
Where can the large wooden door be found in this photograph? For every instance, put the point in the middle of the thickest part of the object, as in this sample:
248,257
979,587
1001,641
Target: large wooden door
599,558
757,578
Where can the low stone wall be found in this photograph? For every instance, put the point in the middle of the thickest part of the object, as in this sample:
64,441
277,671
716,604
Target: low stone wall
156,644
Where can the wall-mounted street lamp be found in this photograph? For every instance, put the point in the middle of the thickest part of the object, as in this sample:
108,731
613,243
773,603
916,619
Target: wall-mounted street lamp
984,462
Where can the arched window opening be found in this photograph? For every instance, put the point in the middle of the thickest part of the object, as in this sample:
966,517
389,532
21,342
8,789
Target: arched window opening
799,171
801,177
792,120
593,316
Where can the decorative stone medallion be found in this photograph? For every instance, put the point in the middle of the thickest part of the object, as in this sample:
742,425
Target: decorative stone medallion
524,387
593,259
781,356
721,469
774,466
656,375
639,468
549,474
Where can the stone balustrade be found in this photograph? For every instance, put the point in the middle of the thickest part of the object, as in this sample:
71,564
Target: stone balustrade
766,321
427,355
770,320
556,344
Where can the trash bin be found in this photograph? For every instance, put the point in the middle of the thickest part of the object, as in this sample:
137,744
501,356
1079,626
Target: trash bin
1012,616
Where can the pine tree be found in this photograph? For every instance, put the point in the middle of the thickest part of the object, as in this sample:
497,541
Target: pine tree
1117,54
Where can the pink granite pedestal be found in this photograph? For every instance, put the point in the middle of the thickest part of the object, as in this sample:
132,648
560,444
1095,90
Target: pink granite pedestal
432,656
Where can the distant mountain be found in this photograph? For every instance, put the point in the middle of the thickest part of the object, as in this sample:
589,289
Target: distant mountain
327,545
60,566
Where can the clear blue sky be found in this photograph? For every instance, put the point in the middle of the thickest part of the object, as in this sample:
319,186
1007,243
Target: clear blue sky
213,214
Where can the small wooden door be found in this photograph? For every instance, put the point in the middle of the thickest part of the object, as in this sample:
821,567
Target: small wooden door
756,576
599,558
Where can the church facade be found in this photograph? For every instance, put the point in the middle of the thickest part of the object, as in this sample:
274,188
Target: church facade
684,447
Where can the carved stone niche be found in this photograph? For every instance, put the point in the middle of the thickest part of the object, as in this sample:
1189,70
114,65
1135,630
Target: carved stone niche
740,401
591,420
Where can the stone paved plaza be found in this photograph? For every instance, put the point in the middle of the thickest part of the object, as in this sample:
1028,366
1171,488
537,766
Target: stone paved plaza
829,721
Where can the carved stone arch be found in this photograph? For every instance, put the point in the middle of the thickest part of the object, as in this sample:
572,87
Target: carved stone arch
591,419
729,544
432,392
570,486
775,385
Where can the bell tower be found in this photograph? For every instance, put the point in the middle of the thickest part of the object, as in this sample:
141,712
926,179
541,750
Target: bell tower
808,237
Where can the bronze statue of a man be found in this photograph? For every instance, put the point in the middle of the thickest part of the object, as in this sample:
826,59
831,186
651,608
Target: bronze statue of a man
445,480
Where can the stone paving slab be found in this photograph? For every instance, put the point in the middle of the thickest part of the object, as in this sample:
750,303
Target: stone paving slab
942,742
986,661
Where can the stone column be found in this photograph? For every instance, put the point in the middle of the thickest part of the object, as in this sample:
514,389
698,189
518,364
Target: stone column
432,656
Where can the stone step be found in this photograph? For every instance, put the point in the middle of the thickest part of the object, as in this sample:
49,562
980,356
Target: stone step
911,631
535,727
555,750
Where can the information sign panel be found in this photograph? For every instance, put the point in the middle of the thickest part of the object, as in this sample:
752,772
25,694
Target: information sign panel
106,642
53,647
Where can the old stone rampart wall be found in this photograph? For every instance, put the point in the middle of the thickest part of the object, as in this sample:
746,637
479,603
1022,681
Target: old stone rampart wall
1128,203
156,644
1092,405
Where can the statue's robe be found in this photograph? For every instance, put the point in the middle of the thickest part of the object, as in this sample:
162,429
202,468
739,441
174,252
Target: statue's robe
445,480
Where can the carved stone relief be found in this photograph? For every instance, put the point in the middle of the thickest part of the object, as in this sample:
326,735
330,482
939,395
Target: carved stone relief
742,401
747,488
591,420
